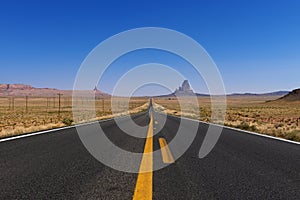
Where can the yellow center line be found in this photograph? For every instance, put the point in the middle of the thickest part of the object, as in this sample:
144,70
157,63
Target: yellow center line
143,188
165,151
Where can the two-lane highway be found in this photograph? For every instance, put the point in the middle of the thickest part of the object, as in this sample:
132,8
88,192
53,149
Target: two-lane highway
56,165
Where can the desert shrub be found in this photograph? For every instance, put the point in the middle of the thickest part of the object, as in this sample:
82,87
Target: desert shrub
228,124
246,126
278,125
294,135
67,121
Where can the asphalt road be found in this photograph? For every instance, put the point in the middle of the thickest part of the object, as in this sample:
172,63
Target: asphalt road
56,165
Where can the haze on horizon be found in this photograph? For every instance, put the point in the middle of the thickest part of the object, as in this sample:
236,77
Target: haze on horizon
255,44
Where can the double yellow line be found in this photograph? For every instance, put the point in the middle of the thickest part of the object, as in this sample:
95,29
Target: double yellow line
144,184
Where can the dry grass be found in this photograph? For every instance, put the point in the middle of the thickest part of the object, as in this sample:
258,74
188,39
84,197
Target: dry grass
251,113
43,113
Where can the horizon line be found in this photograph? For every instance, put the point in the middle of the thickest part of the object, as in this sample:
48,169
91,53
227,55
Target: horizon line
197,93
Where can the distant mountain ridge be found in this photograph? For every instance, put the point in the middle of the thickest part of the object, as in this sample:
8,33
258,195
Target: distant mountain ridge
291,96
277,93
185,90
19,90
14,86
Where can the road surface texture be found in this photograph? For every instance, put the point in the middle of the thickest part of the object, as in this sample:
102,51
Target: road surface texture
56,165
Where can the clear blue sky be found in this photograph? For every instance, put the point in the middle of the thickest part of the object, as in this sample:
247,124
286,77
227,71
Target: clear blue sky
255,44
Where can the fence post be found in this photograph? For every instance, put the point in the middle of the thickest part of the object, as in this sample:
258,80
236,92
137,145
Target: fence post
59,95
26,104
103,105
47,103
13,103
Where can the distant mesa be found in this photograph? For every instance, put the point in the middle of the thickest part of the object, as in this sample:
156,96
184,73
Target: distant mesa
291,96
99,93
184,89
14,86
19,90
96,90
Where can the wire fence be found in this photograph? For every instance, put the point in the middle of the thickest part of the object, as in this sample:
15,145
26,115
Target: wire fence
28,113
61,104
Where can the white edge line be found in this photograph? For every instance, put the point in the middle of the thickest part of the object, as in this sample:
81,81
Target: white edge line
236,129
99,121
58,129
